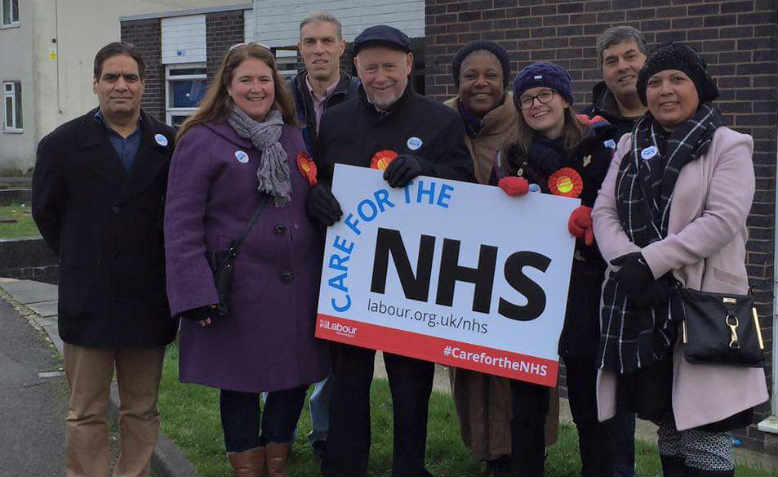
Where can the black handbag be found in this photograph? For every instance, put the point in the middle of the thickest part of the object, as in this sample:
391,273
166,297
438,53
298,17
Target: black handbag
222,264
721,328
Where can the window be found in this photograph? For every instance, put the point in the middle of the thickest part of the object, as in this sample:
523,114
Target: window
12,105
186,87
9,12
286,60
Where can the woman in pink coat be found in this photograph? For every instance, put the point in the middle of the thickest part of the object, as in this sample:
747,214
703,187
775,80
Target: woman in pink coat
673,207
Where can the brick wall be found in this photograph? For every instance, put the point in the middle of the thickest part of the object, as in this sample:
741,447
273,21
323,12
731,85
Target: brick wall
146,36
737,39
222,30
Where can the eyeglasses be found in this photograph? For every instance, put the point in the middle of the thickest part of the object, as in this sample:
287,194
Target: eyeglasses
543,97
247,43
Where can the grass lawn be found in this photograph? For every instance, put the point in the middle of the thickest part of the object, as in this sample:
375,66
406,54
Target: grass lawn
190,417
24,226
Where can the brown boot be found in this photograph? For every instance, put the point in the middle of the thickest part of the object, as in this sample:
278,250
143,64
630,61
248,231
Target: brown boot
277,455
249,463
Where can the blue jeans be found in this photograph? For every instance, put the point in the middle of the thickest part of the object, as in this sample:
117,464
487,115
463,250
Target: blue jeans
320,410
241,417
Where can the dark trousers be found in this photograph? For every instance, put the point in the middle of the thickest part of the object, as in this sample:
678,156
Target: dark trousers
528,436
348,444
596,440
241,417
623,428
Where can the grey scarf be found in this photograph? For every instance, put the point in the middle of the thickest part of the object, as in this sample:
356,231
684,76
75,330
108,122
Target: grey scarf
273,170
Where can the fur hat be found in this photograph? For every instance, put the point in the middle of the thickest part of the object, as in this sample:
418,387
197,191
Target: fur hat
677,56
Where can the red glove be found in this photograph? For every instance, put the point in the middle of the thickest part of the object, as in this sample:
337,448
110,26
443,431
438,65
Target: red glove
580,224
513,185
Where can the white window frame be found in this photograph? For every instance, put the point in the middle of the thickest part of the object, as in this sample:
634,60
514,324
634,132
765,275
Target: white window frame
13,5
171,111
13,90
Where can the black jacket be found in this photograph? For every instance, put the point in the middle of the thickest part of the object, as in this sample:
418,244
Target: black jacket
352,132
106,227
345,89
591,159
604,104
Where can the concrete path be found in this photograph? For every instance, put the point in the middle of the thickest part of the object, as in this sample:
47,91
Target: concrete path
34,407
33,400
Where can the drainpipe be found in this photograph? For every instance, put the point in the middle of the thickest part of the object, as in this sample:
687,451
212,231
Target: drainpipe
56,49
771,423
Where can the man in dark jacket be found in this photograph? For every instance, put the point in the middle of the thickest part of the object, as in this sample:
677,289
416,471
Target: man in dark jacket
98,194
621,52
429,140
321,85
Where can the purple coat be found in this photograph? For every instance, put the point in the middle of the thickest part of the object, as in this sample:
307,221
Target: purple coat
267,344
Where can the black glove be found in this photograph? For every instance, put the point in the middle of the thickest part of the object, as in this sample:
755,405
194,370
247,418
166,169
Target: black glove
402,169
322,206
657,294
201,313
634,275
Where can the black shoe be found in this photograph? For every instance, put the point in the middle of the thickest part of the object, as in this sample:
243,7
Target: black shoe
499,467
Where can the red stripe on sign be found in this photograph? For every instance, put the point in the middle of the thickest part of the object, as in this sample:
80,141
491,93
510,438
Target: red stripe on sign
430,348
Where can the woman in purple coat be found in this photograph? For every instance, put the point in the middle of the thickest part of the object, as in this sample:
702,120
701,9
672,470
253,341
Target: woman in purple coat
241,148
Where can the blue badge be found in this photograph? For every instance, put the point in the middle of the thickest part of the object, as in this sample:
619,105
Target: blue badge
414,143
242,157
648,152
534,187
161,139
610,144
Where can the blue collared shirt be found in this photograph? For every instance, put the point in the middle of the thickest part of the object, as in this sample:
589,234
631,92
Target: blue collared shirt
126,148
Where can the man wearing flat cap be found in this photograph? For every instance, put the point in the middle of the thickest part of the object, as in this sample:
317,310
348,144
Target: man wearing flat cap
428,139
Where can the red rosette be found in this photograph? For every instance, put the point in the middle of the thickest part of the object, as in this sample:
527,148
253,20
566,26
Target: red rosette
382,159
307,167
566,182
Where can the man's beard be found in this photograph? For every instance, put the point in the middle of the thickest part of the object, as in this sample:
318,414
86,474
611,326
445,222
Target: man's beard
386,104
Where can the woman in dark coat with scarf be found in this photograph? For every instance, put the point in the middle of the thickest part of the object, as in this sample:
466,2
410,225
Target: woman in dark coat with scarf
672,211
241,151
558,153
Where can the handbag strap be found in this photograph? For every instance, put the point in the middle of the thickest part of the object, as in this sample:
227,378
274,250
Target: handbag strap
235,244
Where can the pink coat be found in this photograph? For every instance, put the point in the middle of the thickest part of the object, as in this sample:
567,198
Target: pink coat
706,250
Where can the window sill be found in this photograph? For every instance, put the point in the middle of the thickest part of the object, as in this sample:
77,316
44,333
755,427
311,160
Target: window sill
10,25
769,425
13,131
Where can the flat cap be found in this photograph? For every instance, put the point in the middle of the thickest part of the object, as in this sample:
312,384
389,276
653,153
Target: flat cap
382,35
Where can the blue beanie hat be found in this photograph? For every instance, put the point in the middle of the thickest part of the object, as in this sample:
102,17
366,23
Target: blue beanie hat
543,74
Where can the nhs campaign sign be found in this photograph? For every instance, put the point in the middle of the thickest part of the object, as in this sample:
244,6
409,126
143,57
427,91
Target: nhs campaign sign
451,272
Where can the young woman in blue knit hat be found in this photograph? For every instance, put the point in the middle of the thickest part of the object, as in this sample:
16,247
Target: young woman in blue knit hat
558,153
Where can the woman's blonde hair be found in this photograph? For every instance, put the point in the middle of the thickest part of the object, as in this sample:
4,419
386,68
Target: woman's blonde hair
573,131
217,103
